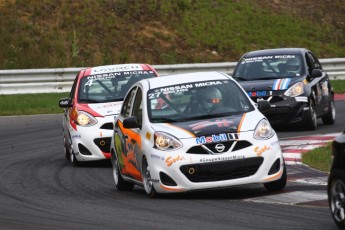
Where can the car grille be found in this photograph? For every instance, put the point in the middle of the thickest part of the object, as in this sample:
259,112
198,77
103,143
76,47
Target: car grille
211,148
220,171
278,114
103,144
107,126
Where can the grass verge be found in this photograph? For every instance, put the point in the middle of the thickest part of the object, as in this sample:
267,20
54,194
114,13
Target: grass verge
47,103
319,158
28,104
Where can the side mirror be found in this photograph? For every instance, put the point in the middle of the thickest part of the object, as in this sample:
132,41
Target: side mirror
65,103
264,106
315,73
130,123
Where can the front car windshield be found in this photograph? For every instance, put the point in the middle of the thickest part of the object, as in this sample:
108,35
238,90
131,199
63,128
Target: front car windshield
269,67
196,100
108,87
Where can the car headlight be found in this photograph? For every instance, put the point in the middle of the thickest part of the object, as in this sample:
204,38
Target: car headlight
295,90
85,119
166,142
263,130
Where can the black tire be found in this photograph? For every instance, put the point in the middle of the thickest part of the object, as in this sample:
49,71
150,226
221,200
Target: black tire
67,153
120,183
329,119
336,199
310,121
148,184
74,160
277,185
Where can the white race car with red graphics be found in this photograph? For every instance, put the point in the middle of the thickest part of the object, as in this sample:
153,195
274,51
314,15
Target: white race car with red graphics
194,131
95,98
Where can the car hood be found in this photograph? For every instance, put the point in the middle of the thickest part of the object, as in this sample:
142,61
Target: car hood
212,127
105,109
270,84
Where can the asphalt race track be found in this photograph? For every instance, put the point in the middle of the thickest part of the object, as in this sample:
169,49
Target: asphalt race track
39,189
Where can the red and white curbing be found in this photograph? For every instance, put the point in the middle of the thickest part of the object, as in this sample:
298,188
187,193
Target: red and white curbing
294,147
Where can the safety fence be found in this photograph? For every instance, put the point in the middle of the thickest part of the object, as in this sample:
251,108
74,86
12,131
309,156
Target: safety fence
59,80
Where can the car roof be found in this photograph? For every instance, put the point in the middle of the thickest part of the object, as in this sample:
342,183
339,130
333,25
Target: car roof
275,51
117,68
185,78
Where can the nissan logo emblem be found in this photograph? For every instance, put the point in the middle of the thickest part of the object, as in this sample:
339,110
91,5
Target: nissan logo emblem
220,148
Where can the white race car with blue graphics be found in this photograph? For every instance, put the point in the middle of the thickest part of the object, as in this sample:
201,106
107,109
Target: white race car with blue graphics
193,131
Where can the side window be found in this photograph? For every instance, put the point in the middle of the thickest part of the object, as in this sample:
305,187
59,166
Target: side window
309,63
74,86
316,62
127,104
138,106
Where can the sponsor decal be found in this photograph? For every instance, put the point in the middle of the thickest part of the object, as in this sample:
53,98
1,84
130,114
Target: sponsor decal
259,93
274,143
77,136
182,88
260,59
114,68
301,99
281,84
221,158
259,151
218,123
154,180
216,138
157,157
171,160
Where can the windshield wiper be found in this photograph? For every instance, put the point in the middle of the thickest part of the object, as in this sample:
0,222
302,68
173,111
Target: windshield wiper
241,78
89,101
159,120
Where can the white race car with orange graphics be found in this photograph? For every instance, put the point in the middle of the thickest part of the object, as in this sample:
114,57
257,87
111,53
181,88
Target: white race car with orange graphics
95,98
193,131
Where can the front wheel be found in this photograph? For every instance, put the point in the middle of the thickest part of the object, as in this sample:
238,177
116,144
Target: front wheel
310,121
278,184
74,160
120,184
336,198
148,184
329,118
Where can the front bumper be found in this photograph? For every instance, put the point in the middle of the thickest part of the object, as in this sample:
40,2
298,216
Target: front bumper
93,143
288,111
179,171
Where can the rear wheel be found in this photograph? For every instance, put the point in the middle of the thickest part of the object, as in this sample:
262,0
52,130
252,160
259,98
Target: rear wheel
120,184
278,184
148,184
336,198
330,117
310,121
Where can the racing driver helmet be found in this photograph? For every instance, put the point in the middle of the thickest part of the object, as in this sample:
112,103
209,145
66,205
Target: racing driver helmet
292,65
211,98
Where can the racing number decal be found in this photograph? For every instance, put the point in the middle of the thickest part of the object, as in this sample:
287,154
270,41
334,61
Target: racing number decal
128,149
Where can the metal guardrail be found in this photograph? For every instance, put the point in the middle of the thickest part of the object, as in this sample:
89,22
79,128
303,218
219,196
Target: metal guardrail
58,80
